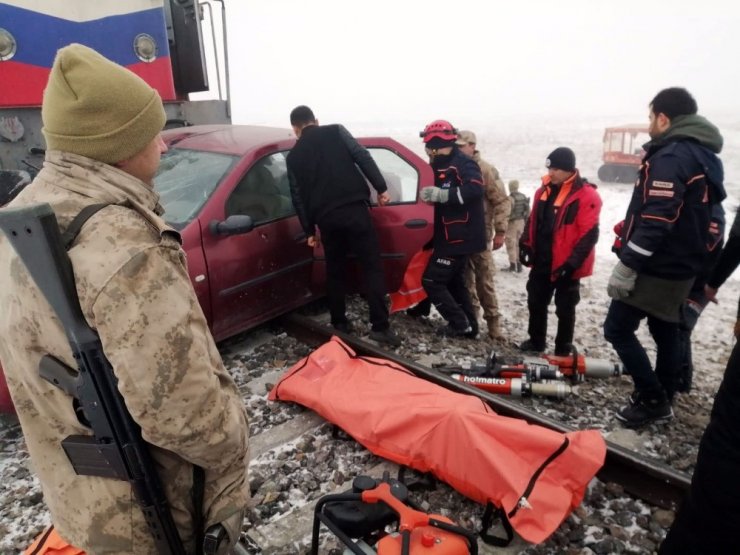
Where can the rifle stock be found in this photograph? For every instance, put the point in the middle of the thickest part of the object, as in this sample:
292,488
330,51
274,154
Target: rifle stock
116,448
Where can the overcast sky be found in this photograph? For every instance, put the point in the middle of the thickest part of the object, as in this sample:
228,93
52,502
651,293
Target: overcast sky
414,60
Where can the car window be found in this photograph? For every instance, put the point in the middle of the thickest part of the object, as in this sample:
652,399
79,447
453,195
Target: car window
186,179
264,192
400,176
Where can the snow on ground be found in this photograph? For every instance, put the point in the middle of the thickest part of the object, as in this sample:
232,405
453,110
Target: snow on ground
518,149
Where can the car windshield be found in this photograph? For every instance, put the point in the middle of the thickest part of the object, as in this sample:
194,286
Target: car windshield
185,180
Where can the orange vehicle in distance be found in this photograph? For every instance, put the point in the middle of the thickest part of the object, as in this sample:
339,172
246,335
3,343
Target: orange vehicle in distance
623,152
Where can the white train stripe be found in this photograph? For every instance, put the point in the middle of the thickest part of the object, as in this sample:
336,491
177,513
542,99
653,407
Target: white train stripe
85,10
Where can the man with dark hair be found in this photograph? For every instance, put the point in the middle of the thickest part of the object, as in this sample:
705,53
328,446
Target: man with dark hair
664,246
558,244
330,193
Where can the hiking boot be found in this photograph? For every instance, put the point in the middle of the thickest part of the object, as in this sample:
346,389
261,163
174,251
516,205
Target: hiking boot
563,350
530,345
386,337
344,327
510,268
518,267
642,409
449,331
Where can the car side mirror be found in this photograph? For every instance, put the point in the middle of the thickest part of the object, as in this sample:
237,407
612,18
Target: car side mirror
233,225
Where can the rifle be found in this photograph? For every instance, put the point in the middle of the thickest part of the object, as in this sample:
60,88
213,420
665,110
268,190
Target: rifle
116,448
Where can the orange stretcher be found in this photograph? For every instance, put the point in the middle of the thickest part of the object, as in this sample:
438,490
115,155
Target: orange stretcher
535,475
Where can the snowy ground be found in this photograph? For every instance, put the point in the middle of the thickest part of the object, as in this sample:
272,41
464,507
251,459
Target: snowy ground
606,523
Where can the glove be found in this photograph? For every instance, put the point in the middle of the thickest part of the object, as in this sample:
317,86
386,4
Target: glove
525,255
498,240
435,194
564,273
621,282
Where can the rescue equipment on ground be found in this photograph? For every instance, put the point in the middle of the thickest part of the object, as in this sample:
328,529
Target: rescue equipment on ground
411,291
359,517
534,476
527,376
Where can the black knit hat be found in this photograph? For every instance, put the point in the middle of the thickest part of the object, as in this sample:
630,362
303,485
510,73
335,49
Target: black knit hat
562,158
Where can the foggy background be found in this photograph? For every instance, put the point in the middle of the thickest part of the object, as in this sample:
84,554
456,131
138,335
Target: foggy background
411,61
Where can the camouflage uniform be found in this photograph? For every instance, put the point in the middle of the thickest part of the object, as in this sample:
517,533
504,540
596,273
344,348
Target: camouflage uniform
519,215
134,289
480,270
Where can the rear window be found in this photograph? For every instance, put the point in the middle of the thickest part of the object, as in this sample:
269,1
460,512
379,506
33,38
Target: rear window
186,179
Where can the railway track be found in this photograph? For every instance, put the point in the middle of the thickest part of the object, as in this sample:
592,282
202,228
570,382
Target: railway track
642,477
301,443
296,459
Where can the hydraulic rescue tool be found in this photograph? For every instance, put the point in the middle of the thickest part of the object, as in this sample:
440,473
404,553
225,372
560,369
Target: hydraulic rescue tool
360,516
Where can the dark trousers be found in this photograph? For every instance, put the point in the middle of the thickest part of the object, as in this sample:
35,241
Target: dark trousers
344,230
709,518
444,282
540,290
620,326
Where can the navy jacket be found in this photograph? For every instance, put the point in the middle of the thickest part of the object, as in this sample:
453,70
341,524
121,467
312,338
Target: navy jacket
459,223
323,173
668,230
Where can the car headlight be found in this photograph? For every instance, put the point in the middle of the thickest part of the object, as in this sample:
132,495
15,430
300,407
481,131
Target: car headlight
145,47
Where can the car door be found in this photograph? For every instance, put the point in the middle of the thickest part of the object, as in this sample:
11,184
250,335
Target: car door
403,225
263,273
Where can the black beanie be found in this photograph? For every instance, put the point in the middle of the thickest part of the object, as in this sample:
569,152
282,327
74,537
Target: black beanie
562,158
435,143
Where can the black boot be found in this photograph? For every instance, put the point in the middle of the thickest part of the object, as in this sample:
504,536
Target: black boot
518,267
645,408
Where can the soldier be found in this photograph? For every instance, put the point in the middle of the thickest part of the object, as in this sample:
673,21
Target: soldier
519,215
480,270
102,127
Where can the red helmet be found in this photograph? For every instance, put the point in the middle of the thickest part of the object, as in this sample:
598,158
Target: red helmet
439,128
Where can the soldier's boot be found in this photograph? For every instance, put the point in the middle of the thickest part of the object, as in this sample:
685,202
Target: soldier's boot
511,268
494,329
518,267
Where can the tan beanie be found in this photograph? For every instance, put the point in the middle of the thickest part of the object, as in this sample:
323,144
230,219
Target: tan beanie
513,186
96,108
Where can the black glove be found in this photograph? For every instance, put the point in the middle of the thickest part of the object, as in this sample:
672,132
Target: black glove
563,273
525,255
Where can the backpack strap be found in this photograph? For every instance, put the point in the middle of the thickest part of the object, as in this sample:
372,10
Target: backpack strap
73,229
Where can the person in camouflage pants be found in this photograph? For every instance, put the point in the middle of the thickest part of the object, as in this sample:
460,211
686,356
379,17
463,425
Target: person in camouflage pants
519,215
480,270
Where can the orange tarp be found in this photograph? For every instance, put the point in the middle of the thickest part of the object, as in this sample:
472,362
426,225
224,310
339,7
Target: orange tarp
537,475
411,291
51,543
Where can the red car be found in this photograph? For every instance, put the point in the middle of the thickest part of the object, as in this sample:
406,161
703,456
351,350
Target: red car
225,188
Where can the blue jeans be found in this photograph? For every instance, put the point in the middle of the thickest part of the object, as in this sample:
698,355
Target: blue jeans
620,326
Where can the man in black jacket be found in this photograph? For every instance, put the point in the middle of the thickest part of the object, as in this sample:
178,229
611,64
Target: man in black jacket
664,246
330,193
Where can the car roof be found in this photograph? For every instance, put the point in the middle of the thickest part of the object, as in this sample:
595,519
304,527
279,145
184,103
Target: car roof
228,139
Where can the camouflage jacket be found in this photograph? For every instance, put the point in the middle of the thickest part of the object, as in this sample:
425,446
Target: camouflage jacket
497,202
134,289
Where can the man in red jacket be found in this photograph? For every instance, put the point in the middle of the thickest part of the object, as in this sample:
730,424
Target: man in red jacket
558,245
